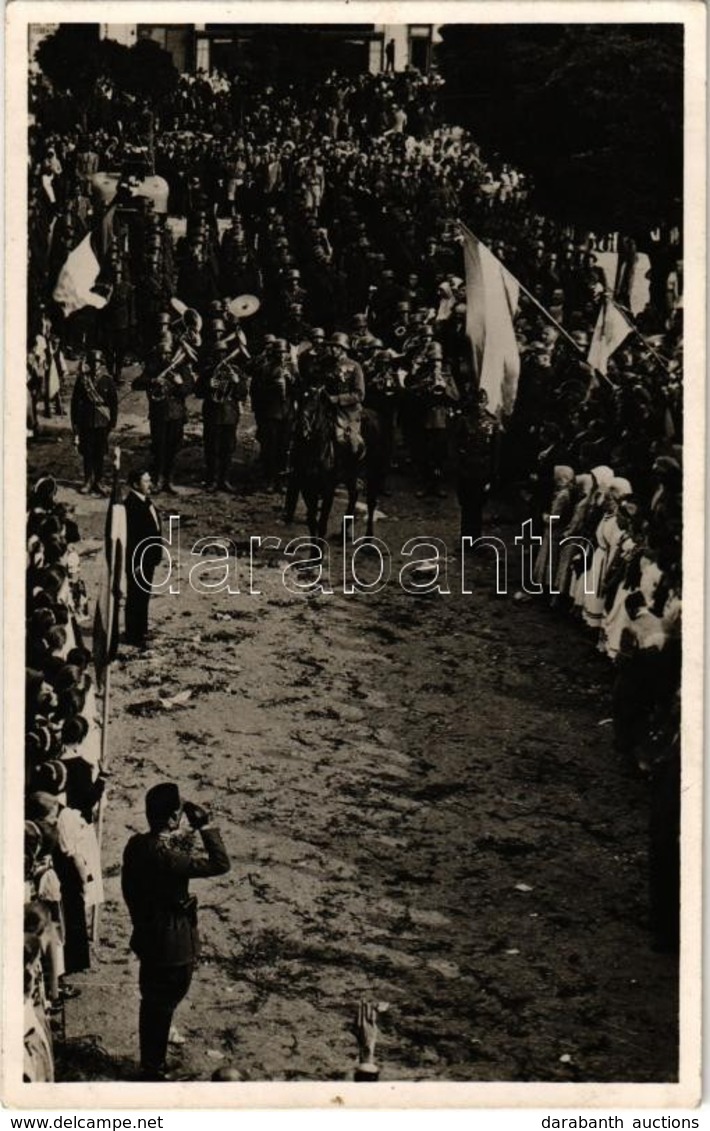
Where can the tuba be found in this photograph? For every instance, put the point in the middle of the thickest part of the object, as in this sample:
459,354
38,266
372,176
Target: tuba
222,379
159,386
220,382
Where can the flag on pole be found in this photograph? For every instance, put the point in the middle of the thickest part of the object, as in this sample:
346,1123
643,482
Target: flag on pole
492,295
113,583
612,328
75,287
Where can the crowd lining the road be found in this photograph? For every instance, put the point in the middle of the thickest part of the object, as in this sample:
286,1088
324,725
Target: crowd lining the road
337,209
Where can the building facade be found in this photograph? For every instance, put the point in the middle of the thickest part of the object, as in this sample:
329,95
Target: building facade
225,47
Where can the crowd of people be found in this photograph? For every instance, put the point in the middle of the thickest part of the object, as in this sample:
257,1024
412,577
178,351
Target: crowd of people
337,210
63,779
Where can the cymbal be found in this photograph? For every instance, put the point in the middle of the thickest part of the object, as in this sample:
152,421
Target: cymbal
178,305
243,306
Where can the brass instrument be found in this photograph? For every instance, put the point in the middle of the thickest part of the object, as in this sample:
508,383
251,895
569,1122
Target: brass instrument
381,377
159,386
437,382
225,376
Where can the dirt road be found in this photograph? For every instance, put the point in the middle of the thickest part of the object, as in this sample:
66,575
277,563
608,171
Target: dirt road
421,804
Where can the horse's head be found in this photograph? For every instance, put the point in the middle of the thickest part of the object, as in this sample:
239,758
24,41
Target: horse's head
314,426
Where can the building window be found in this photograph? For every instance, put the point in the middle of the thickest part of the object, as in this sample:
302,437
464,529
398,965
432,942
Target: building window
420,46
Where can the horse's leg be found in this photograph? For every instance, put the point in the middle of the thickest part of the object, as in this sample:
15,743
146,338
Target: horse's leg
293,490
351,484
326,507
372,493
310,497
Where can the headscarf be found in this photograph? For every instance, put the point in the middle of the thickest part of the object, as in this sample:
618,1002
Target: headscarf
562,475
603,477
584,484
622,487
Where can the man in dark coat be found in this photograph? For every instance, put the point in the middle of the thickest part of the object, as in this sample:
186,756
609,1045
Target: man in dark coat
273,390
475,431
155,882
94,411
142,522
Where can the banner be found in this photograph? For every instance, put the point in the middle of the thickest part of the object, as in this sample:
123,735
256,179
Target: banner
75,286
106,618
611,330
492,295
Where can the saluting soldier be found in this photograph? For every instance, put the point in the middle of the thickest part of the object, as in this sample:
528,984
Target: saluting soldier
155,881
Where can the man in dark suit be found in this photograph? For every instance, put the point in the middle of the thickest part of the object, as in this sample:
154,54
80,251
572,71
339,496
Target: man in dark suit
142,522
155,883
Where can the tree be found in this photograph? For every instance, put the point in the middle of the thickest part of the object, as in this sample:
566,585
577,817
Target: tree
149,72
71,60
74,58
593,112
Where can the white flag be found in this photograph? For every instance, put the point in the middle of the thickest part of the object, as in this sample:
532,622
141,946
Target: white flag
491,302
610,331
76,278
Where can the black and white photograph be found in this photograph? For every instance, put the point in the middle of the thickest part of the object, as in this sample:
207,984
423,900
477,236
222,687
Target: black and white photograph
353,494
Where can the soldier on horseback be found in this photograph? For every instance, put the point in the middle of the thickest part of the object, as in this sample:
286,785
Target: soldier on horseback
311,360
344,389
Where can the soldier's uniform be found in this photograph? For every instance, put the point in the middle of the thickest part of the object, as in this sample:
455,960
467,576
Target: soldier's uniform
167,413
433,392
312,361
155,881
383,394
345,386
94,411
362,340
224,389
475,433
272,396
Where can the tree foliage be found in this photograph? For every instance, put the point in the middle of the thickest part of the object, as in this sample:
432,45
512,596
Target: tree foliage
70,58
593,112
74,58
150,72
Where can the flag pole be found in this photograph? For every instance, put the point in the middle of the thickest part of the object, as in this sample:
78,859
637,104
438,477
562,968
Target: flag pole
106,697
662,361
543,310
